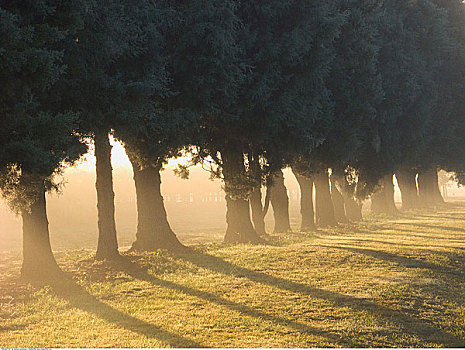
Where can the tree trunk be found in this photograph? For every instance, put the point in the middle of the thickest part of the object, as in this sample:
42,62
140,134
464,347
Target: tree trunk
258,213
428,187
338,202
353,209
153,229
323,204
280,203
306,202
383,200
107,247
38,259
408,188
239,226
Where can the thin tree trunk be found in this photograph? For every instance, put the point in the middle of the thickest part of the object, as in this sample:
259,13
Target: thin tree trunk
153,229
383,200
258,213
408,188
428,187
306,202
280,203
107,247
239,226
338,202
38,259
324,209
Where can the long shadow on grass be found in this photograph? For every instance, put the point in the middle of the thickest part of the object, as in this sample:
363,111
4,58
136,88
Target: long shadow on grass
440,217
408,262
446,228
408,323
410,233
137,272
79,298
412,245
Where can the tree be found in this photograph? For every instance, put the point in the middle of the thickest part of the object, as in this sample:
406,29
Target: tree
109,78
286,48
149,142
433,46
445,134
410,35
355,92
37,138
159,128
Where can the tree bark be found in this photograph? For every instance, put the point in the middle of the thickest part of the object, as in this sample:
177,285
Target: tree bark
408,188
239,226
383,200
324,208
428,187
280,203
38,259
306,202
153,229
258,213
338,202
107,247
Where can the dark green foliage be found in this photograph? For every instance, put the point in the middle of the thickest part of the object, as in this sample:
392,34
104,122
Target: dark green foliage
413,43
283,103
113,63
446,134
36,138
355,86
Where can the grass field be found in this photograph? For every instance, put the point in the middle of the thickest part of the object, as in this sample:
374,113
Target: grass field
380,283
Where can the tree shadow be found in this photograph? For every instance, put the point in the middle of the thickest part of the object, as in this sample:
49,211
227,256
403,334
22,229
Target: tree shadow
408,262
409,324
135,271
77,296
410,233
439,217
411,245
448,228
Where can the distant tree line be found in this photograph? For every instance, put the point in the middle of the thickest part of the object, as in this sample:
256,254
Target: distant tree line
345,92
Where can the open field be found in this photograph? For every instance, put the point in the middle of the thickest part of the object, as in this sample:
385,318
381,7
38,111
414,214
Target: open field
383,282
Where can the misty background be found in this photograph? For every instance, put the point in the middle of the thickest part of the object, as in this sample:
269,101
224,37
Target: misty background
196,207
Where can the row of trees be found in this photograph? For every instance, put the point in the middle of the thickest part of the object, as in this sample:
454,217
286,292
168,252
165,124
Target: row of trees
363,88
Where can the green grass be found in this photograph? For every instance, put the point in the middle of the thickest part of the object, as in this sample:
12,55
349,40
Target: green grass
380,283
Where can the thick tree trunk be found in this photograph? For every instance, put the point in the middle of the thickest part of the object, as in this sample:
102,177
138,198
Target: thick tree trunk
324,209
107,247
353,209
338,202
239,226
258,213
428,187
38,259
153,230
408,188
280,203
383,200
306,202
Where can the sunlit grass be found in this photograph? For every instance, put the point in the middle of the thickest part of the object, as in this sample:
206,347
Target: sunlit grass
383,282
